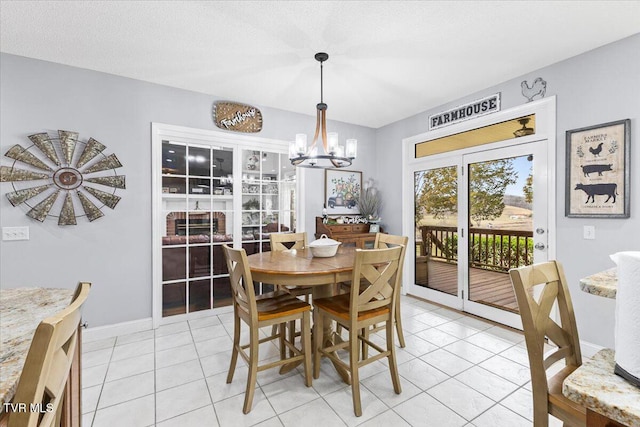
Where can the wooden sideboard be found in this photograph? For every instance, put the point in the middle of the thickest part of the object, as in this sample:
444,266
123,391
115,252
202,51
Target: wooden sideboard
349,234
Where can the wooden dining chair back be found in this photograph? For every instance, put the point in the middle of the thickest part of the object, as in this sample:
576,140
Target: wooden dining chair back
372,303
539,329
46,369
389,241
262,311
287,241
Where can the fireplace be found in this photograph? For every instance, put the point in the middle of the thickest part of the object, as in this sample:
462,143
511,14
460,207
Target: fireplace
196,226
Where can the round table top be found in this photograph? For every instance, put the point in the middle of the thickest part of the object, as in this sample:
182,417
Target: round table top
300,262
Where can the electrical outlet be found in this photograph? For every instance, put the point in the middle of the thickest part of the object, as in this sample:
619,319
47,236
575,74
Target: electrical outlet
15,233
589,232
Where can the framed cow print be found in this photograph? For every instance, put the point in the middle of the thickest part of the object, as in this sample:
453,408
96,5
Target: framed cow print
597,171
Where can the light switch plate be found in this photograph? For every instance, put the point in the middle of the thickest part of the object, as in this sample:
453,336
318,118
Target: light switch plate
589,232
15,233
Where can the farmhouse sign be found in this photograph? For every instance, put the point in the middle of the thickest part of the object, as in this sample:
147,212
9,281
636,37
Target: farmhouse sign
474,109
237,117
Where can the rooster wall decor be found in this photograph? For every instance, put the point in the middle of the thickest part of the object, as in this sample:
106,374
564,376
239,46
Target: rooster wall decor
538,88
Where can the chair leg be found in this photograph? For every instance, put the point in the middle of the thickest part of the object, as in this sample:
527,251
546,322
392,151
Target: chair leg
365,346
398,320
282,330
292,336
318,341
253,370
393,367
354,355
306,347
234,351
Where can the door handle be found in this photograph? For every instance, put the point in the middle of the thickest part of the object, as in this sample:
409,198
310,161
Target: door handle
540,246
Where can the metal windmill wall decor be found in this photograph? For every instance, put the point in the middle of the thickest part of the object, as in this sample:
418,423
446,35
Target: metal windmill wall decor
62,166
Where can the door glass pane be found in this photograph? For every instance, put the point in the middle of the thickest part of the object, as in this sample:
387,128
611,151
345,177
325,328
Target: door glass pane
174,263
436,221
221,291
199,295
222,171
199,161
174,299
500,227
174,168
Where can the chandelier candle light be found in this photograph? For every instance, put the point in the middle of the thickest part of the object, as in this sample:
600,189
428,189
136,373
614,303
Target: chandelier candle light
333,154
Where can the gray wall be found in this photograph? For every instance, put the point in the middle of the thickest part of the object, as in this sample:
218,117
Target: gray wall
597,87
114,252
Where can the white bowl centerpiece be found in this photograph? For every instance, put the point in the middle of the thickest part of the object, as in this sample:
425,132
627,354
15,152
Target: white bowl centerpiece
324,247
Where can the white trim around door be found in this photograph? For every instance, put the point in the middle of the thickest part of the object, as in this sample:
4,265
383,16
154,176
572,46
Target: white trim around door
545,118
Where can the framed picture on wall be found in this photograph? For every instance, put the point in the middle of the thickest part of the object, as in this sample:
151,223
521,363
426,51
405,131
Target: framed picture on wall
342,191
597,171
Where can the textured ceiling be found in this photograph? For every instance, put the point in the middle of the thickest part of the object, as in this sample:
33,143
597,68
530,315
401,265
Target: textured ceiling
388,59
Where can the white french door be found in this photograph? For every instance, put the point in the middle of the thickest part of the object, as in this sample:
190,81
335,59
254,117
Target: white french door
478,214
209,189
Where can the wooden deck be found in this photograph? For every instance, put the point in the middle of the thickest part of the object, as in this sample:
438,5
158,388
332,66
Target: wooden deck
487,287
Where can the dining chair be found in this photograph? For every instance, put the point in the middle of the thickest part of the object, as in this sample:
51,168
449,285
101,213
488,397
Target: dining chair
362,307
387,241
539,328
46,369
283,242
287,241
261,311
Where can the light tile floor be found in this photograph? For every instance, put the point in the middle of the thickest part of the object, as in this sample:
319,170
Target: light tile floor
456,370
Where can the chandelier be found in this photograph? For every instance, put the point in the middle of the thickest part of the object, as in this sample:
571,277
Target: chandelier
331,154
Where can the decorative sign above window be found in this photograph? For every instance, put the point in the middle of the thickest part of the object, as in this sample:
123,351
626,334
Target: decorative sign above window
237,117
477,108
64,166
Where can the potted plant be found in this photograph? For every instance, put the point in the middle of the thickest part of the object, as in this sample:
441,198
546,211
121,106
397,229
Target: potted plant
369,203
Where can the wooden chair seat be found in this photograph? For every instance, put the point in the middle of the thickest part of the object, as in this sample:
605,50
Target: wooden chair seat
339,306
271,308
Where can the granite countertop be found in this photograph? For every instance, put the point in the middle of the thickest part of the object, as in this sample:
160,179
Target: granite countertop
595,386
21,310
604,284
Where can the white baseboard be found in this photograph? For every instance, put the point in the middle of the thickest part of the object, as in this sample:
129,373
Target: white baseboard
588,349
109,331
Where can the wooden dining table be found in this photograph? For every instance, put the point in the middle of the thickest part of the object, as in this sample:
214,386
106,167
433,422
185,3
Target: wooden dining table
298,267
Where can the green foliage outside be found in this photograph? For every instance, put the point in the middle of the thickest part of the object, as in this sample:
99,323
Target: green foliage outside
436,190
483,255
436,193
488,182
528,189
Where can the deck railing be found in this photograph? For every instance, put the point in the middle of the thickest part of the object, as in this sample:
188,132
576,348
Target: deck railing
490,249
